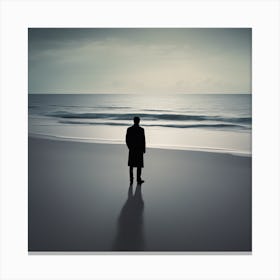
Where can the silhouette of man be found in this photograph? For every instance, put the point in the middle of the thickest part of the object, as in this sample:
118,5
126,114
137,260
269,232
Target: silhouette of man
136,143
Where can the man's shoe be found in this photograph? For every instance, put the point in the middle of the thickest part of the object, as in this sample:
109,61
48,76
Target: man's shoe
140,181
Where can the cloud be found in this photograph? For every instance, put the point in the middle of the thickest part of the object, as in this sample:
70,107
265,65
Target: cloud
140,60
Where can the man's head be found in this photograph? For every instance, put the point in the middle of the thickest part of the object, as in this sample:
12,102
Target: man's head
136,120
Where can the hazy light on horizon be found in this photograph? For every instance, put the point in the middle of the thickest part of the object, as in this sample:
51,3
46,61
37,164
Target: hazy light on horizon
128,60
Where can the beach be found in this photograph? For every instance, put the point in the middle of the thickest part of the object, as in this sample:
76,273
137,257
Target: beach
79,199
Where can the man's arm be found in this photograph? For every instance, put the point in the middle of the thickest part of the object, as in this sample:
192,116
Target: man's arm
127,139
144,142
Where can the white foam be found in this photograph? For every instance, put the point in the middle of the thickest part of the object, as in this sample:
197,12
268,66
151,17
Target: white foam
154,146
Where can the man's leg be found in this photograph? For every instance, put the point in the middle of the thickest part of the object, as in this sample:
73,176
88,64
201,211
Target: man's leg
139,180
131,173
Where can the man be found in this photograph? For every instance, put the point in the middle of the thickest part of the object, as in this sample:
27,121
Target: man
135,141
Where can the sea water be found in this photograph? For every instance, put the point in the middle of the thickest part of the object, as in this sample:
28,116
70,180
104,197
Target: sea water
211,122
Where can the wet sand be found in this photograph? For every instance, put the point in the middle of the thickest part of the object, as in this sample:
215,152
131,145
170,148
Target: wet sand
79,199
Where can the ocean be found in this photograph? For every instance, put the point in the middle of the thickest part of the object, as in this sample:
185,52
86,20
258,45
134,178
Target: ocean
206,122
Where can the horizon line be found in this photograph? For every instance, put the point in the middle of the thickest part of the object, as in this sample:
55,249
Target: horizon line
165,93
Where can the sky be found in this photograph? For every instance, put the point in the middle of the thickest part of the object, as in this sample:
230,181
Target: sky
141,61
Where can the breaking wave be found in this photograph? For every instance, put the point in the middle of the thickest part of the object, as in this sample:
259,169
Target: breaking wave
148,116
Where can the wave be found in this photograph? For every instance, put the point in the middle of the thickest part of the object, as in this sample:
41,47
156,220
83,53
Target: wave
129,116
160,125
156,110
90,107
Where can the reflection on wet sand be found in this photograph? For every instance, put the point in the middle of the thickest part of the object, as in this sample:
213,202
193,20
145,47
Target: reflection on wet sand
130,223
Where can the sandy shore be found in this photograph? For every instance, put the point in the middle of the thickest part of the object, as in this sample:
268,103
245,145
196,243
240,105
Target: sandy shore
80,200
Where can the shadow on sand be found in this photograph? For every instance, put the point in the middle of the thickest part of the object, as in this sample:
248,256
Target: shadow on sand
130,223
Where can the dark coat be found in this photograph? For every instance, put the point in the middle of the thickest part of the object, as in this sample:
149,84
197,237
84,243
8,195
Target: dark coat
135,141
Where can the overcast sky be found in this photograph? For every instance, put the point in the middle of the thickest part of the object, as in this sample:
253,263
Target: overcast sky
106,60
